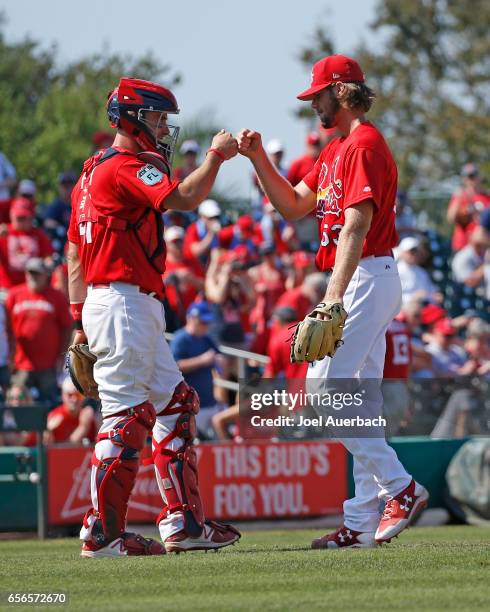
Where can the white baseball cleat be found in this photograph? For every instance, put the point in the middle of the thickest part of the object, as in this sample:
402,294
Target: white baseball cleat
401,511
345,538
214,536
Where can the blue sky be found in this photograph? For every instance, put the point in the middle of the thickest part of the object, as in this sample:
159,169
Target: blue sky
239,59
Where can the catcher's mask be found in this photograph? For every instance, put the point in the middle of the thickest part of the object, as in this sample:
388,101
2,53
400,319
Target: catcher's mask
140,108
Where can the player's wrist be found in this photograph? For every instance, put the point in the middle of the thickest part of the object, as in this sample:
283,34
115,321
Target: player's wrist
214,152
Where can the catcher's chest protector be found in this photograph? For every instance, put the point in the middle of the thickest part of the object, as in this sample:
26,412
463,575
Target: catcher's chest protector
147,229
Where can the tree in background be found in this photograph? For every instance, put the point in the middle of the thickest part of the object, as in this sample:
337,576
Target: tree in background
432,77
49,113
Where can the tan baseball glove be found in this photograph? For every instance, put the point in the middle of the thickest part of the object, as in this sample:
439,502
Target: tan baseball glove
315,338
80,364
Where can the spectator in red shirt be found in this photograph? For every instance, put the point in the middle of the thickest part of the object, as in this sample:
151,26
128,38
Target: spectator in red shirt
202,235
241,233
40,328
396,397
299,264
268,281
279,347
305,297
184,276
189,151
466,205
300,167
21,242
71,421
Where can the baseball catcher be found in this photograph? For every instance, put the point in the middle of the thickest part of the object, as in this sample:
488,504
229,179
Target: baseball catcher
116,259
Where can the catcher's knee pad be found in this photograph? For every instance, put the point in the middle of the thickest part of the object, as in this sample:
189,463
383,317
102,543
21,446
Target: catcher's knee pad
177,469
115,476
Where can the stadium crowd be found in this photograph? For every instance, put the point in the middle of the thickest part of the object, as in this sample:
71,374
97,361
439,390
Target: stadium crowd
243,281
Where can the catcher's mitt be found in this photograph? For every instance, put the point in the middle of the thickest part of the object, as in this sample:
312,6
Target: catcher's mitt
80,363
315,338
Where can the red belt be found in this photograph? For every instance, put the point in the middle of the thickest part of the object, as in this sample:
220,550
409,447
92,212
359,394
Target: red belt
388,253
108,286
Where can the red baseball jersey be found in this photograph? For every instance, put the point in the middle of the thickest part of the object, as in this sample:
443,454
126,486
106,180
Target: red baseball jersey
299,168
398,351
16,248
349,171
37,320
112,198
63,423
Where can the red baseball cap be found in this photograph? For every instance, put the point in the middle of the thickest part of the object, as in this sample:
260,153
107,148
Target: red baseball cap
303,259
246,225
445,327
432,313
21,207
313,138
330,70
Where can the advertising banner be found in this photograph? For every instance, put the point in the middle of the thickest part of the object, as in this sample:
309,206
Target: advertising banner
238,481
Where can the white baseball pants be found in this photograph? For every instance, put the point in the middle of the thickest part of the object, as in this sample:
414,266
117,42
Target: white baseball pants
372,300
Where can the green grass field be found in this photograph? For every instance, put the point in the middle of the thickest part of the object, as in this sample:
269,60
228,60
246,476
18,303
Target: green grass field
440,568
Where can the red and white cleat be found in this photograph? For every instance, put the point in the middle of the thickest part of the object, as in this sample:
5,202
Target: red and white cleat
129,544
214,536
115,548
345,538
401,511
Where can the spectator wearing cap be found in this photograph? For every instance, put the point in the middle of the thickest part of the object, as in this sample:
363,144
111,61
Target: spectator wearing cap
72,421
183,277
242,232
40,325
57,215
101,140
306,228
20,242
26,190
298,265
447,355
468,265
466,205
202,235
416,282
189,150
300,167
304,298
197,356
275,150
465,412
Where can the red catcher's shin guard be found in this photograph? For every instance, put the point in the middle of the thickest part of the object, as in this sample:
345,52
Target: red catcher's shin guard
177,469
178,474
115,476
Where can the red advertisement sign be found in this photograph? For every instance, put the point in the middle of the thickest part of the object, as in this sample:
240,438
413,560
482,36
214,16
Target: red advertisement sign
237,481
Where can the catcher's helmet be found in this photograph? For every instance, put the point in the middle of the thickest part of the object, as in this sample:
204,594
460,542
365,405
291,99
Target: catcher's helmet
127,106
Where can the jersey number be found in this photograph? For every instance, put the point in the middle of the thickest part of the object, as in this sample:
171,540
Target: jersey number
401,352
326,238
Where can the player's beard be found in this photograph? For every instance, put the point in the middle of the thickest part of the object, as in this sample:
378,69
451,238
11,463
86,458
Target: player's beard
327,119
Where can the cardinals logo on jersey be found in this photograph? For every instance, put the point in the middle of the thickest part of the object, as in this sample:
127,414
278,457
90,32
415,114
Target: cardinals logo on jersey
329,191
